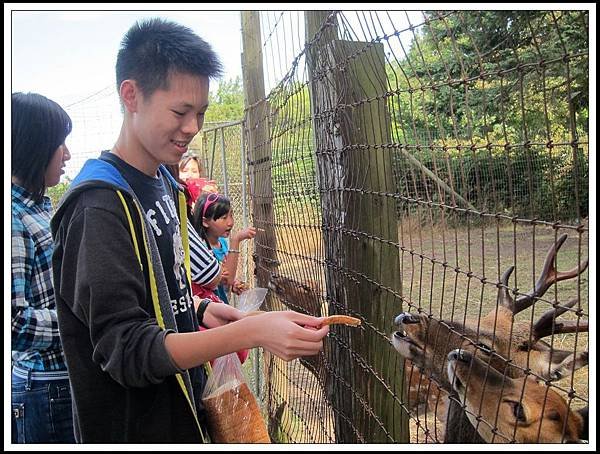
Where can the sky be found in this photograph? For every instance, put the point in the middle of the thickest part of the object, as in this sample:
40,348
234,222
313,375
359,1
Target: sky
70,56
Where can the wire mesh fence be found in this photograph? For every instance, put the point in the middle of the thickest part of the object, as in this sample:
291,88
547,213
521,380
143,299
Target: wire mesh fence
425,163
98,121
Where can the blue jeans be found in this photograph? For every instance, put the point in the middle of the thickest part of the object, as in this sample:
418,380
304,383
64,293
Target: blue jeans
41,411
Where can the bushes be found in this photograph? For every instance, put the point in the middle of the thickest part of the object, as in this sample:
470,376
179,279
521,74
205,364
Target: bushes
528,182
56,192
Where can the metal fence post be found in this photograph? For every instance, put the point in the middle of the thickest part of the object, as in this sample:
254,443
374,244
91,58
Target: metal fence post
224,163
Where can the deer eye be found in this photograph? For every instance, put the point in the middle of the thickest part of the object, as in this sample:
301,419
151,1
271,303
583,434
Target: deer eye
554,416
519,412
484,348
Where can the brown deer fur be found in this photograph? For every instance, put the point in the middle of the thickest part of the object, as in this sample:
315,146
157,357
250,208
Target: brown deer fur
519,409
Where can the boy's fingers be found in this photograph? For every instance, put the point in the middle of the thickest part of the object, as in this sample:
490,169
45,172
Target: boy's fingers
312,334
303,319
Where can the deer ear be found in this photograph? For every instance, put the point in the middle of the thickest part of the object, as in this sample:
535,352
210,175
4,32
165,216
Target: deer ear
585,429
564,361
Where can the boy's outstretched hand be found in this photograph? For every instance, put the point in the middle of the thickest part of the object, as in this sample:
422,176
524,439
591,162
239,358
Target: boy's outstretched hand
288,334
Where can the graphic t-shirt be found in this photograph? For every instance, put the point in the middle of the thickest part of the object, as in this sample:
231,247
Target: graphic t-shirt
161,212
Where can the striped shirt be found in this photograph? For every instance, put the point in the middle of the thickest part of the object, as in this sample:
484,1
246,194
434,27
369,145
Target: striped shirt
203,263
35,341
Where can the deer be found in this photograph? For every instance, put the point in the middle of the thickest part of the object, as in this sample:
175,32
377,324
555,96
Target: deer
503,409
306,298
513,347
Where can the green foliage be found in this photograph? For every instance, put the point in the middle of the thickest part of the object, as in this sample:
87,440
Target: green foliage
497,90
494,74
227,104
56,192
526,181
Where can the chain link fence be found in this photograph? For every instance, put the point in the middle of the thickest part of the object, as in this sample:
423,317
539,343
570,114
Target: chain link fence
427,163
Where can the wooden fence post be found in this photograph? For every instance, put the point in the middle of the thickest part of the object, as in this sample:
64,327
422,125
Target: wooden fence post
360,229
259,148
256,131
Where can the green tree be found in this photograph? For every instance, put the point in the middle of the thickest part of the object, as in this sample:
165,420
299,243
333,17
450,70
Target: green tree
227,103
477,88
56,192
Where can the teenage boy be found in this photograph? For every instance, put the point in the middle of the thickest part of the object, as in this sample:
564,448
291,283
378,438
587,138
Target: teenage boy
127,320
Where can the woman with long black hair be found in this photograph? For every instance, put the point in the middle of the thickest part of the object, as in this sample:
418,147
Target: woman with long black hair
41,397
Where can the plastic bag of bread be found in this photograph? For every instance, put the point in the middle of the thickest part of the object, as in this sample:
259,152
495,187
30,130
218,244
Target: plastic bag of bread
234,415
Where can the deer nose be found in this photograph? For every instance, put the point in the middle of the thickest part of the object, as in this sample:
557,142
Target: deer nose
458,355
453,355
406,318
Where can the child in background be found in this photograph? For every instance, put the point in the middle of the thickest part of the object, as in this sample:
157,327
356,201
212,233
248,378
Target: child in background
206,290
212,217
190,167
190,172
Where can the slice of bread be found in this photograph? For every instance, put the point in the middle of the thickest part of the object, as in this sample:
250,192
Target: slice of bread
341,320
331,320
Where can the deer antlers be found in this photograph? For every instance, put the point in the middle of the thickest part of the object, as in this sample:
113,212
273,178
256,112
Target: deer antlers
548,277
560,361
547,324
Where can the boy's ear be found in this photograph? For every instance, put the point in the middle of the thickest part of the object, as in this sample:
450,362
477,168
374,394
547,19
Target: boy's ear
129,93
